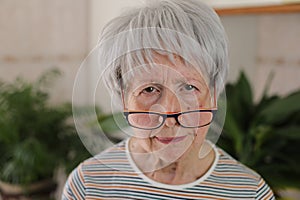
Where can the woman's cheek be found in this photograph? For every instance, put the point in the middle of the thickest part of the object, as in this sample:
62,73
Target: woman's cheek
201,134
192,102
142,134
145,103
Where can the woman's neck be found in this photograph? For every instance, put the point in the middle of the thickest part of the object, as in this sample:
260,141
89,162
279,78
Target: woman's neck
188,168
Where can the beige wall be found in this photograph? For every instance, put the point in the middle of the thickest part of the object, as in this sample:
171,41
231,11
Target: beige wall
242,38
279,51
37,35
261,44
271,47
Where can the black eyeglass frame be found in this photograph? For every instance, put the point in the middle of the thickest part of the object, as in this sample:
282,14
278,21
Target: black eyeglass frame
165,116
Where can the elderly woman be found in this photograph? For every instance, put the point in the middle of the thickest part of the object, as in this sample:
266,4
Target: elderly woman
167,62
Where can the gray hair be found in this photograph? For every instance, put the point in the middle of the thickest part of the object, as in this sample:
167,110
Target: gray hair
187,28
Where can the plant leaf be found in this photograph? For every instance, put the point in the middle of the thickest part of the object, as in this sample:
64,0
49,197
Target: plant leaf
280,109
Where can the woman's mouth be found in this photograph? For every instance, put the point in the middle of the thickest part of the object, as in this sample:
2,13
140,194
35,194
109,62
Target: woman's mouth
167,140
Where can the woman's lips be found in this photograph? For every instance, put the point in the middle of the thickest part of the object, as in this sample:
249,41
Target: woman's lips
167,140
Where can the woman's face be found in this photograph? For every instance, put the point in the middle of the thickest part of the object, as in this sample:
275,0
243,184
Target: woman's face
169,88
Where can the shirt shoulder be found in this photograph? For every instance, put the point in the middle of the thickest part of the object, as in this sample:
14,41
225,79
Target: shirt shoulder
75,185
227,164
112,159
95,170
232,174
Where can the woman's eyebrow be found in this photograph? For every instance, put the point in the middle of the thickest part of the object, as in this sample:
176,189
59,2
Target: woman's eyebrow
188,80
138,83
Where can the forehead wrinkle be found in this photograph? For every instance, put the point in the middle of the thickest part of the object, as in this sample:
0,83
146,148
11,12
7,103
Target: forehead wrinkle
166,79
162,70
134,84
185,68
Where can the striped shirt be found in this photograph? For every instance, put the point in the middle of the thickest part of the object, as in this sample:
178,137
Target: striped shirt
112,174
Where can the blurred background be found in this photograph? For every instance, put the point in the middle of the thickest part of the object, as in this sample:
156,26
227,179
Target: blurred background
36,36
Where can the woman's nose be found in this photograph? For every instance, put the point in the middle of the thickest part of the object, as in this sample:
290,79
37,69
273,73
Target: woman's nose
170,101
171,104
170,122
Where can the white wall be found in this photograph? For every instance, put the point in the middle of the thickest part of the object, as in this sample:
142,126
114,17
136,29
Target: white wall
279,51
242,38
38,35
102,11
265,44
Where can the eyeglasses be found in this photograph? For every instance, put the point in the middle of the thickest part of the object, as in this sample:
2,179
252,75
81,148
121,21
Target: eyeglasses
153,120
149,120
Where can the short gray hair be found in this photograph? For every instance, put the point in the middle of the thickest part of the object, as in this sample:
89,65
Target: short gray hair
187,28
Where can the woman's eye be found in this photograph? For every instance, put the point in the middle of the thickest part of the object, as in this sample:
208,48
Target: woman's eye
189,87
150,90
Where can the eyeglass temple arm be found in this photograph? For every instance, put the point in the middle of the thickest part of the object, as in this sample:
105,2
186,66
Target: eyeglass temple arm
215,95
122,93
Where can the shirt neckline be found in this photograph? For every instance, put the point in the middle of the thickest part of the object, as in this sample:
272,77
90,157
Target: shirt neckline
163,185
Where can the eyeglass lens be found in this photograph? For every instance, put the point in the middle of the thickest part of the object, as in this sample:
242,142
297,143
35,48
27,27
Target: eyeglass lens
155,120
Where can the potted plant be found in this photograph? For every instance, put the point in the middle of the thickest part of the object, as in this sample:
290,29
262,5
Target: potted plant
35,139
264,135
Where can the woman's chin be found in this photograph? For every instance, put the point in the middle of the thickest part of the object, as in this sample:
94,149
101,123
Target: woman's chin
170,152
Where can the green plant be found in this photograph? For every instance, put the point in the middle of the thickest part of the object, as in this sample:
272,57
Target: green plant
264,135
35,137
